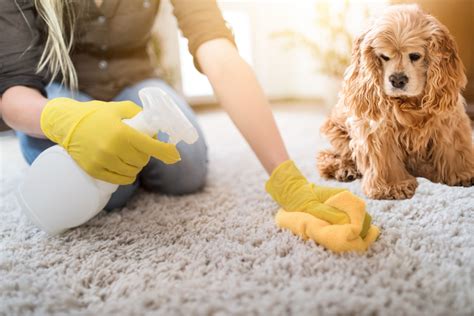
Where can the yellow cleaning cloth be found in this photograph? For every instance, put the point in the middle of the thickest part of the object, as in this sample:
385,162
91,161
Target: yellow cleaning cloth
338,238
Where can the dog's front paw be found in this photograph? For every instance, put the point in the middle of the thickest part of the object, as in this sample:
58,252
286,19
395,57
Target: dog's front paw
464,178
465,181
348,172
332,165
403,190
396,191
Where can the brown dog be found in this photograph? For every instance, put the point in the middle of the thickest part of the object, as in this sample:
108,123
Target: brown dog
400,114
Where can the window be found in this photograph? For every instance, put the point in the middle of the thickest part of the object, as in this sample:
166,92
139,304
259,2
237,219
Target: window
195,86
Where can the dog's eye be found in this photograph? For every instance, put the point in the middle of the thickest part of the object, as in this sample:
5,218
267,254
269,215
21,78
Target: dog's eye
386,58
414,56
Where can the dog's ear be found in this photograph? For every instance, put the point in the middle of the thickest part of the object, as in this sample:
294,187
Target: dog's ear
363,80
445,75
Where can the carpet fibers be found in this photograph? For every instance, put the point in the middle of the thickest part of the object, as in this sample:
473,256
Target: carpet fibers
218,252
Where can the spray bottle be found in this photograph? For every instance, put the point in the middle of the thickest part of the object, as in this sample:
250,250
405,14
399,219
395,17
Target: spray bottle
57,194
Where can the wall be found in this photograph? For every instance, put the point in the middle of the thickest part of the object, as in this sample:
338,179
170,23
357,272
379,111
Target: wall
283,73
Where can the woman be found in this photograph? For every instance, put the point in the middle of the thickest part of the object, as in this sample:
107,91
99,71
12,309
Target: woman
99,49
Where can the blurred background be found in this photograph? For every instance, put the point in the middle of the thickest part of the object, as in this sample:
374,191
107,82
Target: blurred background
298,48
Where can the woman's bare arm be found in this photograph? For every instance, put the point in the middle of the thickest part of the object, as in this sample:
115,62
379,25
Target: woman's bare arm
21,109
240,94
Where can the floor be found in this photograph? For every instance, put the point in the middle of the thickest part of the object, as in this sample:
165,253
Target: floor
218,252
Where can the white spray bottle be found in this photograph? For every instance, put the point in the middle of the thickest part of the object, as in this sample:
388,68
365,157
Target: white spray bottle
57,194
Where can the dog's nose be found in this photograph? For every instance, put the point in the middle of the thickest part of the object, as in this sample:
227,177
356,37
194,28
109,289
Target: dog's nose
398,80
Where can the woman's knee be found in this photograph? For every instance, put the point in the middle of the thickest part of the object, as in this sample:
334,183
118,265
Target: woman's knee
120,197
185,177
192,180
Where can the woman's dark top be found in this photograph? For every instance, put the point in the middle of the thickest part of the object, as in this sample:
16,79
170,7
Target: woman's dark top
110,46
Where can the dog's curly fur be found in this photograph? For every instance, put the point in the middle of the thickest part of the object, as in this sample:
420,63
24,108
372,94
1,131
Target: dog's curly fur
389,136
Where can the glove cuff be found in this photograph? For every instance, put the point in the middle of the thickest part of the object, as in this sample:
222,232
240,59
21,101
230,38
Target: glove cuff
282,178
57,120
46,124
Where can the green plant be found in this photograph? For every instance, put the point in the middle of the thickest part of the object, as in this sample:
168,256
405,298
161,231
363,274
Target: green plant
334,58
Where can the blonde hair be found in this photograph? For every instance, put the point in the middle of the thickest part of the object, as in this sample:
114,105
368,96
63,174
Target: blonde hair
59,18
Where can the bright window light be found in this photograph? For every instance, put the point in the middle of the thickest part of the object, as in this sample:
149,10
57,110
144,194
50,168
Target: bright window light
194,84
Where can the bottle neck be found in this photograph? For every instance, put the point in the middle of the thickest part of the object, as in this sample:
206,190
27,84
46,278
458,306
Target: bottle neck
140,123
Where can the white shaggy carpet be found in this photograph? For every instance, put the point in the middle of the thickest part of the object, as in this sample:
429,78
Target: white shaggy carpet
218,252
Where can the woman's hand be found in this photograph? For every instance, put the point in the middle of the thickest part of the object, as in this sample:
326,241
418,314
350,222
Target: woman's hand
290,189
95,136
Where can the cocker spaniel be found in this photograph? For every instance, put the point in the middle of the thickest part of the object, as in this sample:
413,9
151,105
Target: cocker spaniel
400,114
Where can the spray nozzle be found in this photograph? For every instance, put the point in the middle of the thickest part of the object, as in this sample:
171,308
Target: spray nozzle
161,113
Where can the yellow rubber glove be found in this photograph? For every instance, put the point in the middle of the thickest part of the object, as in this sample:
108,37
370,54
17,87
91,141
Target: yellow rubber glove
96,138
308,208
